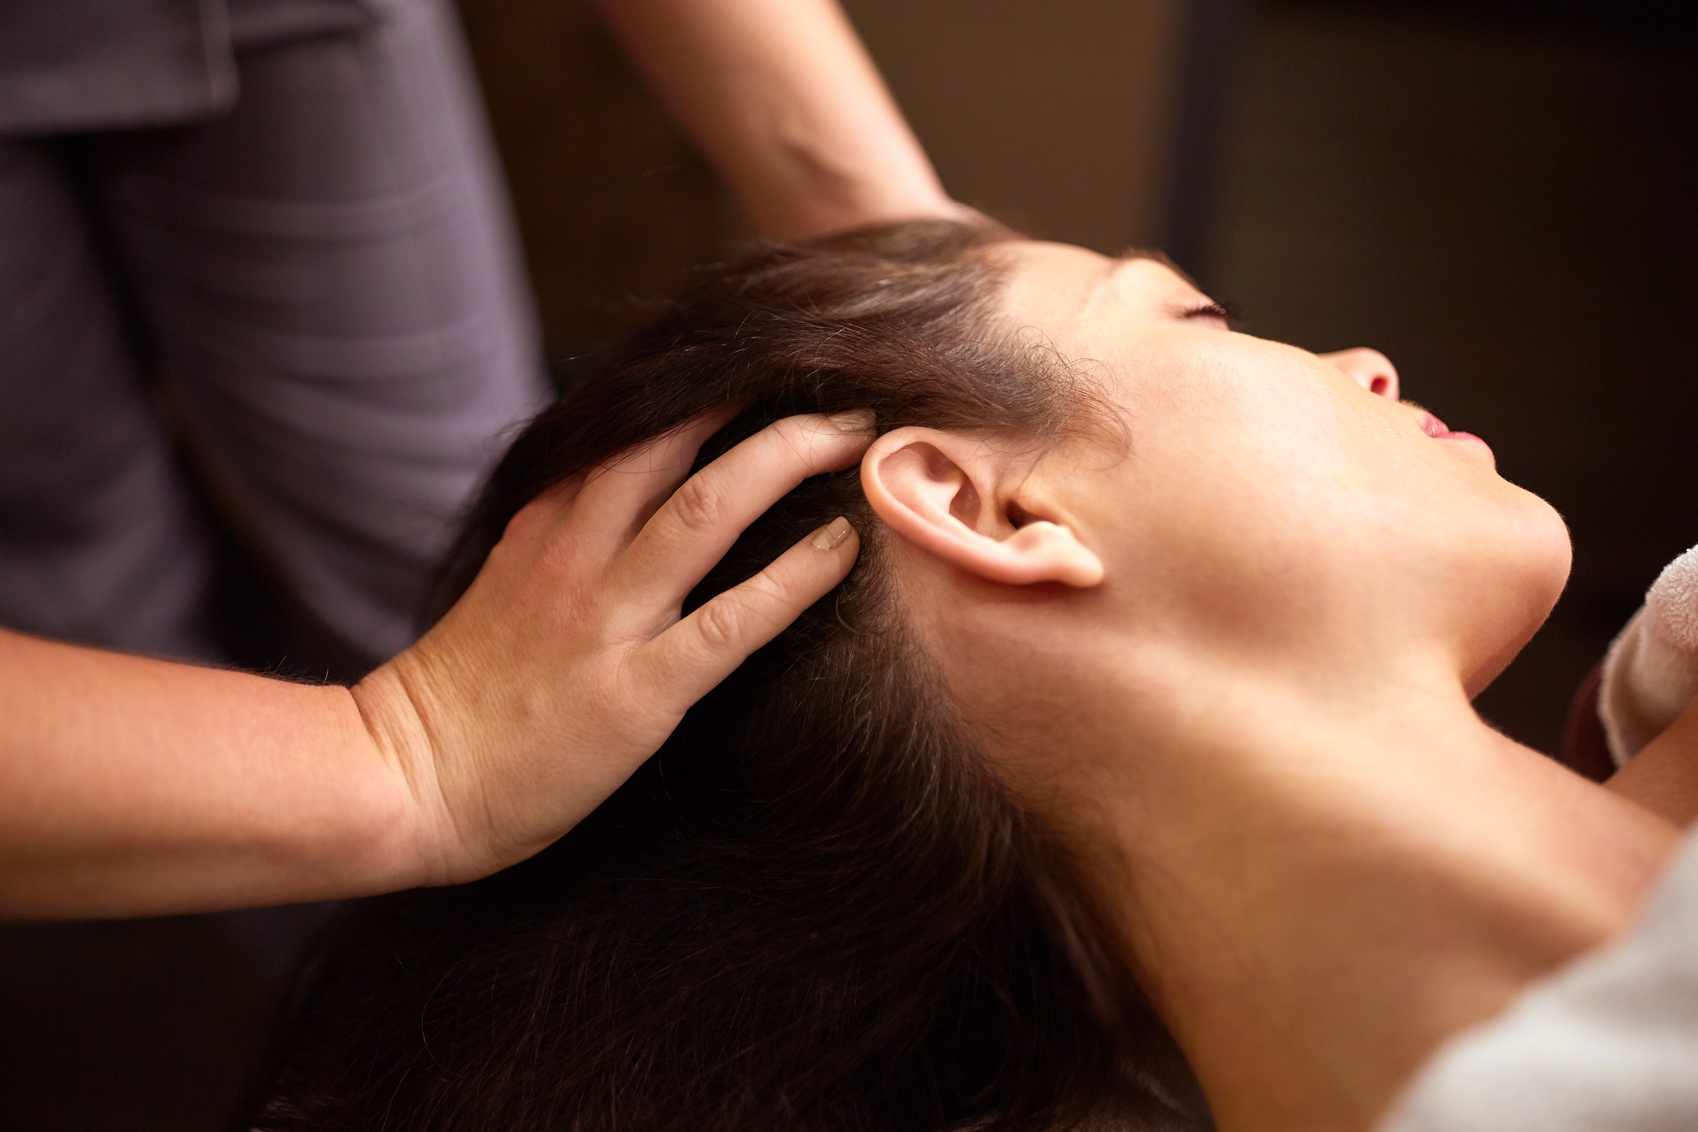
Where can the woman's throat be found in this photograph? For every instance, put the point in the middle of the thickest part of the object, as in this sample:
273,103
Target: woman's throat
1316,906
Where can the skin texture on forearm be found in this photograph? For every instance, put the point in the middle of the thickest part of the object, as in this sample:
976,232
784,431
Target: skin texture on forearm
131,786
1664,776
785,101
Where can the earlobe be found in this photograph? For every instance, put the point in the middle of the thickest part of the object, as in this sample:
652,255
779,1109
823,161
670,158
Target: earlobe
952,495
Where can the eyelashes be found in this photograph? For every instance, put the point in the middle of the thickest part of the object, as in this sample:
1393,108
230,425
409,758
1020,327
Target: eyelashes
1227,312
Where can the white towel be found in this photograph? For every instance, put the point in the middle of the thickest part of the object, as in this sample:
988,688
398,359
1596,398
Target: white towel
1651,671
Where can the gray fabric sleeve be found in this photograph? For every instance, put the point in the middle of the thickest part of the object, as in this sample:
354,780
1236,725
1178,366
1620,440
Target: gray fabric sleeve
112,64
81,65
100,539
333,278
1609,1044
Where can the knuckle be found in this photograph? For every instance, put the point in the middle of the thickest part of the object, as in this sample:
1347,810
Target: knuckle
721,623
766,587
697,504
564,563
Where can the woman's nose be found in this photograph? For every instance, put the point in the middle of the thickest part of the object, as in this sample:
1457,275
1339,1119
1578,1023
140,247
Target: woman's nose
1370,369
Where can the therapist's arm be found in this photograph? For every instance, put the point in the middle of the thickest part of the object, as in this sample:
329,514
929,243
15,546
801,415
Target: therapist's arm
1663,776
131,786
785,101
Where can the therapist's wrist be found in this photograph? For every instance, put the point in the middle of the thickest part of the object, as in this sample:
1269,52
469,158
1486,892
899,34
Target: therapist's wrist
814,192
407,835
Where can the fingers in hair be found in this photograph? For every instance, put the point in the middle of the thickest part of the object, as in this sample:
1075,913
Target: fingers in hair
685,662
695,527
619,498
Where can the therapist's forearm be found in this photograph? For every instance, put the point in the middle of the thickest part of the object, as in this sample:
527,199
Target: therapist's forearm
134,787
131,786
786,102
1663,777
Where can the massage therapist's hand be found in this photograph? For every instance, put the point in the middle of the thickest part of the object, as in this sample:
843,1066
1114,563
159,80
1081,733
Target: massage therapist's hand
133,787
566,664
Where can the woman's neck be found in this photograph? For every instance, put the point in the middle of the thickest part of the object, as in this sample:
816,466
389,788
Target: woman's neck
1317,895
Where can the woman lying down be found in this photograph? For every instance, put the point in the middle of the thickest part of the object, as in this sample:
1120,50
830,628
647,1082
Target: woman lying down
1129,781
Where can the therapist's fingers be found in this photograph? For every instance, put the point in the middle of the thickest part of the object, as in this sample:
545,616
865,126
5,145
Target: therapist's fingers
695,527
617,499
689,659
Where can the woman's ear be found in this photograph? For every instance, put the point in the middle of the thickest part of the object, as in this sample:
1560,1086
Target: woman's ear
953,496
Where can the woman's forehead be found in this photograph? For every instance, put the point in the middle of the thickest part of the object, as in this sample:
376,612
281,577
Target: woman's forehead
1057,287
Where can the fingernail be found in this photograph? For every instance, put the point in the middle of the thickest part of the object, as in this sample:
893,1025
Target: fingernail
831,536
855,420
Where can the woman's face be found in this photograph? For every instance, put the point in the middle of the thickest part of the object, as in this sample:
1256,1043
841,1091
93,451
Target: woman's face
1264,498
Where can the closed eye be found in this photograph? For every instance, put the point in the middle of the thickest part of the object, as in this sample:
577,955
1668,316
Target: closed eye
1226,315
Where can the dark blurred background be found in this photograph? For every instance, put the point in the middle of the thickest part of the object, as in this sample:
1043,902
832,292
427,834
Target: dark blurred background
1501,198
1498,195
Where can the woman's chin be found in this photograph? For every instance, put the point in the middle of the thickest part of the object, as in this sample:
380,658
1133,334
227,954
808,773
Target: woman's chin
1532,560
1550,551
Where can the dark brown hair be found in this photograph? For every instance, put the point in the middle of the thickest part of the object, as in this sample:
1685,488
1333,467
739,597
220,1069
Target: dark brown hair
814,908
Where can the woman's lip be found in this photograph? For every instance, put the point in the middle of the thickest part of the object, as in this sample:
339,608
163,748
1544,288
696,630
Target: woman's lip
1438,430
1469,438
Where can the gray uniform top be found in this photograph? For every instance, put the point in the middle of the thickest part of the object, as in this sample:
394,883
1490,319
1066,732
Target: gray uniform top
74,65
297,203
